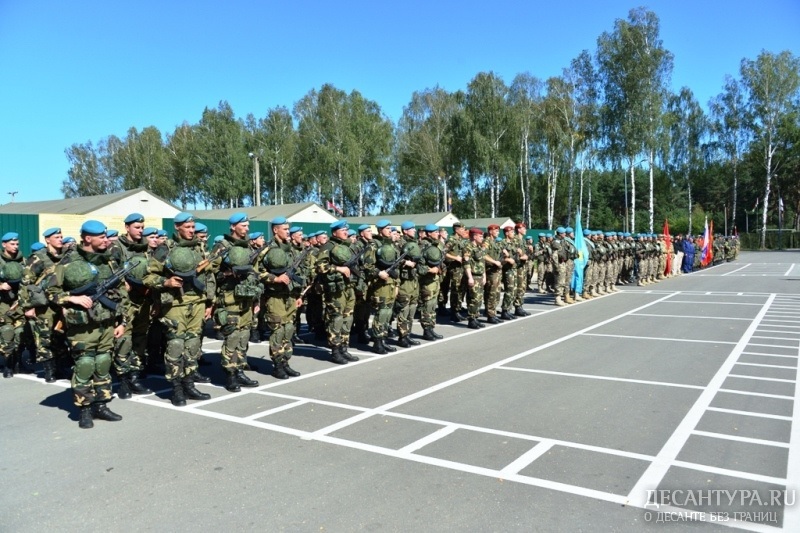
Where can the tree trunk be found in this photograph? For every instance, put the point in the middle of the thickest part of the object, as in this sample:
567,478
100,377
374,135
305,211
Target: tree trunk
652,206
633,197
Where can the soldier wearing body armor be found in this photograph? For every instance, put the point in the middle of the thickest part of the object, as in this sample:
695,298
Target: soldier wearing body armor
178,274
510,252
130,348
408,290
51,347
314,299
452,284
572,254
474,275
542,258
560,257
366,246
430,273
589,274
281,296
12,317
338,291
303,273
383,286
91,320
236,302
493,260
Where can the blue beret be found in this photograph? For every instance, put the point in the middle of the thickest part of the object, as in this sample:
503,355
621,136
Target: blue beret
295,229
93,227
255,235
237,218
180,218
363,227
407,225
11,236
162,233
351,232
218,238
549,235
560,230
587,232
498,239
134,217
150,230
382,223
279,221
49,232
568,229
339,224
112,233
611,234
528,238
35,247
68,240
431,227
199,227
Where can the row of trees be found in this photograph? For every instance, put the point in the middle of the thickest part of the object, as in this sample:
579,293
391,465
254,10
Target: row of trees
536,150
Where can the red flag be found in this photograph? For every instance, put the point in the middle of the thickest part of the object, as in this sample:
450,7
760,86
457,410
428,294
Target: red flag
331,206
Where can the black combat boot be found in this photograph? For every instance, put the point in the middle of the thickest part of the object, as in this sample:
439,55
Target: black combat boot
404,342
505,315
337,357
346,354
379,347
124,390
519,311
456,317
101,411
8,369
178,397
245,381
85,420
191,391
137,387
494,320
49,367
278,371
197,377
473,324
430,335
232,383
255,338
291,372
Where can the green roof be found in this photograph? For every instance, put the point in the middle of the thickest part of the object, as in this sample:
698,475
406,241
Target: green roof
419,219
260,212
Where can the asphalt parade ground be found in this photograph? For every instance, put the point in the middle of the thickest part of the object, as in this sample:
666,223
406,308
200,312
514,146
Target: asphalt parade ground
670,406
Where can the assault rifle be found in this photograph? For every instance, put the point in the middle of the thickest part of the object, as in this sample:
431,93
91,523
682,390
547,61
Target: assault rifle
400,260
221,251
97,292
292,271
353,263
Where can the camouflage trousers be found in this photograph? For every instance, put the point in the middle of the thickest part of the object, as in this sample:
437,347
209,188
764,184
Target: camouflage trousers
406,304
522,284
184,326
560,273
569,274
541,270
509,288
234,322
491,291
339,307
381,299
90,346
279,313
428,300
456,288
475,297
130,349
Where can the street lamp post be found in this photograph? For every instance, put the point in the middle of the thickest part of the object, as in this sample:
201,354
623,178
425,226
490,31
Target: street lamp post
256,178
444,192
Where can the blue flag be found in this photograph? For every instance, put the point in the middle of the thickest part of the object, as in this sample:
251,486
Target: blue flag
583,257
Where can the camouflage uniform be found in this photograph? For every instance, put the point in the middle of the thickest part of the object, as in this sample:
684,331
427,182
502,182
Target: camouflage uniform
473,255
455,274
429,284
494,274
408,291
12,318
338,296
382,292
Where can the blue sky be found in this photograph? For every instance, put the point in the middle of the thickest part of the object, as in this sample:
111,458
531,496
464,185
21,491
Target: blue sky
72,72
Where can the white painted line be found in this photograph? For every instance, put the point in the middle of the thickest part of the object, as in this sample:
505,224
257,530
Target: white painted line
424,441
274,410
769,354
526,458
710,303
750,413
732,473
771,345
694,317
755,378
767,366
769,321
759,394
776,331
655,338
737,270
477,372
774,338
791,514
784,314
790,269
737,438
668,454
602,378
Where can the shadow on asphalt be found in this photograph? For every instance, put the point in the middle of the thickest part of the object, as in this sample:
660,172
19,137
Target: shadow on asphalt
62,400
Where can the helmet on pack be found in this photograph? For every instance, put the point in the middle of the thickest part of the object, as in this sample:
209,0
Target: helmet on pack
433,256
182,261
276,261
11,272
238,256
139,269
78,274
386,255
341,255
413,250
